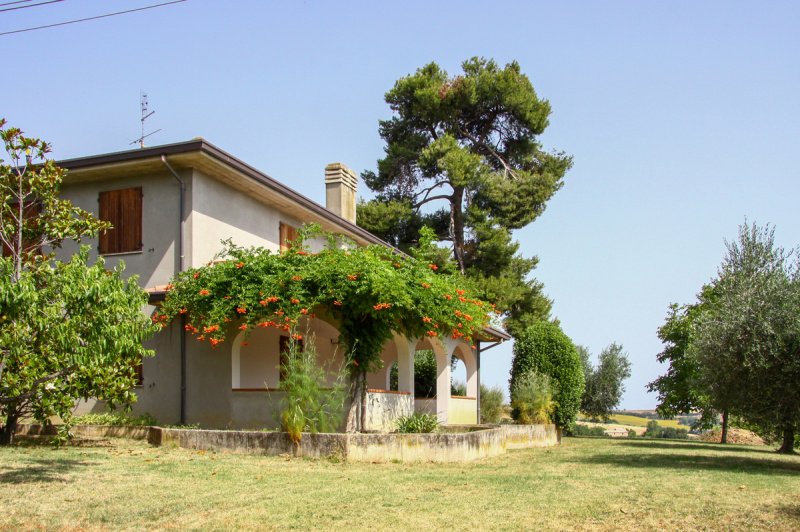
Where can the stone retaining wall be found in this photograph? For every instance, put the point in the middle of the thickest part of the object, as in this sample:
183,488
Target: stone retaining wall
483,442
86,431
440,447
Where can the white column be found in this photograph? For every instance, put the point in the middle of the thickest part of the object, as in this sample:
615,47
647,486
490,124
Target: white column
405,364
471,364
442,384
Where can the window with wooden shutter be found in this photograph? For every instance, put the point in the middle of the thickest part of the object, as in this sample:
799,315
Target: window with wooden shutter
288,234
123,208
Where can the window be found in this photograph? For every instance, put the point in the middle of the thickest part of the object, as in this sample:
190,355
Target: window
123,208
288,234
139,373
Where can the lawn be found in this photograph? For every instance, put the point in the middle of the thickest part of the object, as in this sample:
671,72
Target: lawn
583,484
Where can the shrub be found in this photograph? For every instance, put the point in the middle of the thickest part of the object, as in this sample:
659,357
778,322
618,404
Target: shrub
654,430
582,431
115,419
310,404
532,399
491,404
543,347
425,374
458,388
417,423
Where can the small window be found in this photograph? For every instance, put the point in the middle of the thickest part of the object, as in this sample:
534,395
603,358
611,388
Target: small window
123,208
288,235
139,373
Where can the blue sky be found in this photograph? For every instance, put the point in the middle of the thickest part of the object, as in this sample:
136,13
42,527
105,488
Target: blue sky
683,118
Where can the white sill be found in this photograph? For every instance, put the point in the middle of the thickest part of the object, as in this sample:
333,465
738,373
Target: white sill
122,253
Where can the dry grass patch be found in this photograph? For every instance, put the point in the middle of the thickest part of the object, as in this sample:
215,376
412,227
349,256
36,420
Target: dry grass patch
583,484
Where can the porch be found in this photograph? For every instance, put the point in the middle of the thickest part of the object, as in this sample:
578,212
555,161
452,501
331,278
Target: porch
255,362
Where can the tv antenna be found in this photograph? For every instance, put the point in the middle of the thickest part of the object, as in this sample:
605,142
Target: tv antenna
145,115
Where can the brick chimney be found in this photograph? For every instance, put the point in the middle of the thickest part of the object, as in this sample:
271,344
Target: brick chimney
340,191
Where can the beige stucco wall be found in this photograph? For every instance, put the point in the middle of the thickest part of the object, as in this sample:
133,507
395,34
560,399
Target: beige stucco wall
463,411
158,260
159,395
379,379
385,408
255,410
240,217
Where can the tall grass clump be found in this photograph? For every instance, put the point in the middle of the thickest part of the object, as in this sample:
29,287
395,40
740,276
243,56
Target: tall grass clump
417,423
310,403
491,404
532,399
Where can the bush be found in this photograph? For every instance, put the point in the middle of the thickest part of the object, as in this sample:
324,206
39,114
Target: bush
115,419
491,404
458,388
654,430
417,423
532,401
310,404
425,374
543,347
582,431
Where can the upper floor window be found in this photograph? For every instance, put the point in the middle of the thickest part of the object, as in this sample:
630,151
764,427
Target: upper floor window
288,234
123,208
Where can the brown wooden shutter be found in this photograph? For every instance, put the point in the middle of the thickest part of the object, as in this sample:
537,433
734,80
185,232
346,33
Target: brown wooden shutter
123,208
288,234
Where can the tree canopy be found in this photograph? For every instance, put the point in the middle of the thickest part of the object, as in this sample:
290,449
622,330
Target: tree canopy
463,158
737,350
680,390
605,382
68,330
749,339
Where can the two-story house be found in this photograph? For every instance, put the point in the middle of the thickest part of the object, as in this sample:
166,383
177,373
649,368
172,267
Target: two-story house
171,206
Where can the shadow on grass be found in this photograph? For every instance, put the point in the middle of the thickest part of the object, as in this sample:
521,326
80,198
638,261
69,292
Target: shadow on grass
693,461
40,471
792,510
693,446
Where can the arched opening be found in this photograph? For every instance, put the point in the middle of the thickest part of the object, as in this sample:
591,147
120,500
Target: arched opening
458,377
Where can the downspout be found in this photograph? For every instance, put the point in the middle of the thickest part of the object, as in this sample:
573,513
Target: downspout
181,267
478,372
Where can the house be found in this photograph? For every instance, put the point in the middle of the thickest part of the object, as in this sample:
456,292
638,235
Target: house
171,206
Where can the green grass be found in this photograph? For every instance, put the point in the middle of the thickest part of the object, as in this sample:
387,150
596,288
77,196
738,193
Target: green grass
584,484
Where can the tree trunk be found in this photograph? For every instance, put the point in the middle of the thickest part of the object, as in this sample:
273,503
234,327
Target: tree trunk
363,423
353,416
8,430
724,438
788,441
457,226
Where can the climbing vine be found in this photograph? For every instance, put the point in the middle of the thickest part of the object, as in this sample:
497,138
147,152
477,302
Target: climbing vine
370,291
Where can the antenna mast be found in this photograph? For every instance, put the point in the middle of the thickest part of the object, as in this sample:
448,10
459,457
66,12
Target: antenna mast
145,115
